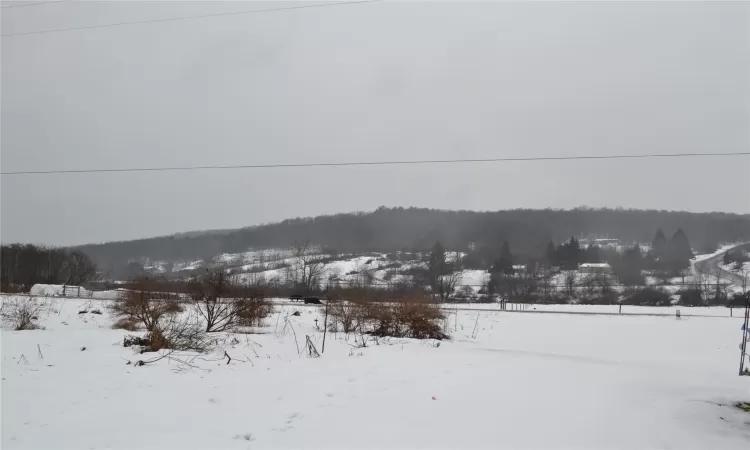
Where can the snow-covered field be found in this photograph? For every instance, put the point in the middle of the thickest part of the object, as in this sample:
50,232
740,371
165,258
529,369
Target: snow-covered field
533,381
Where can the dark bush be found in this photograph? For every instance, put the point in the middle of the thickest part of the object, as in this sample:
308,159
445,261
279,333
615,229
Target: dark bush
691,297
648,297
610,298
738,300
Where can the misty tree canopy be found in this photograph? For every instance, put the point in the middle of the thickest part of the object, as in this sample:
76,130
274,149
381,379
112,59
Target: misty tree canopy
529,232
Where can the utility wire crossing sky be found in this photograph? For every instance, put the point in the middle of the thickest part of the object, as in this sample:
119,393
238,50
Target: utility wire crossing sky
377,163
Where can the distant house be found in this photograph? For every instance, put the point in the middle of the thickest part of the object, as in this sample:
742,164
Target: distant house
595,268
519,268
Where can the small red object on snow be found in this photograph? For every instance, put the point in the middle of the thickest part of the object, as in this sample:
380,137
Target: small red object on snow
434,398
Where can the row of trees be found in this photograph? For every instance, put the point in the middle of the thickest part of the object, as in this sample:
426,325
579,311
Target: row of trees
671,255
393,229
22,266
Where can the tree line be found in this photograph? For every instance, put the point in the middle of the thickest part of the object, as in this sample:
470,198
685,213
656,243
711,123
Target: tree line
417,229
24,265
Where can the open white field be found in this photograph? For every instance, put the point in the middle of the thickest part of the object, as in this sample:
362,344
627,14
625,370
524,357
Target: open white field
508,380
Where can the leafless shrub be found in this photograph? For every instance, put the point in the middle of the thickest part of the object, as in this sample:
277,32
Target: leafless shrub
179,333
21,313
223,305
172,333
125,323
208,292
343,316
144,304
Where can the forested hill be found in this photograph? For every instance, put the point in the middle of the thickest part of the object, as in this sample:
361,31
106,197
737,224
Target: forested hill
389,229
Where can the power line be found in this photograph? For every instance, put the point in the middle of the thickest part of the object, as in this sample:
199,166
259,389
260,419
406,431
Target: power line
198,16
376,163
27,4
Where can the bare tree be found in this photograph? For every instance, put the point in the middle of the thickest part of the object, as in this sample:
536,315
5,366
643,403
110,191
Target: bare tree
743,273
208,293
702,285
446,285
545,284
25,265
363,275
590,284
223,304
569,280
79,269
527,285
685,272
308,269
604,283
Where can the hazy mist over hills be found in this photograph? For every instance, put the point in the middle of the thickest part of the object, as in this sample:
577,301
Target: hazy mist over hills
391,229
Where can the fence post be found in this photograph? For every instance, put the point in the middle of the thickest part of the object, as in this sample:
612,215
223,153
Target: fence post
745,337
620,311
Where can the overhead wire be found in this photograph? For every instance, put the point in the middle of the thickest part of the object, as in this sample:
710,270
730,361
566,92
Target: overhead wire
193,17
372,163
28,4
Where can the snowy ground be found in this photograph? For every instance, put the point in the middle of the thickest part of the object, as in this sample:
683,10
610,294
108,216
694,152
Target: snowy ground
524,381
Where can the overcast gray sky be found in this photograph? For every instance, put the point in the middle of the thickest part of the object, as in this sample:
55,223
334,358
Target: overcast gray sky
378,81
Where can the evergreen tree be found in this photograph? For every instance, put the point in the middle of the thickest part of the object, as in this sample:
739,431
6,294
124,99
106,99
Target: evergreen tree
436,265
504,263
659,246
569,254
628,266
680,251
551,254
592,254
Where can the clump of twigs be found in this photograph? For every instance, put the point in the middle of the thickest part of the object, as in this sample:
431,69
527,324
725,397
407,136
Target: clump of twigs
144,304
21,313
176,333
344,315
125,323
223,304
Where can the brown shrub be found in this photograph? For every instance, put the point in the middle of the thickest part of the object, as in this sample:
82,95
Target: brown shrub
145,304
125,323
416,318
420,319
173,307
252,311
176,334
